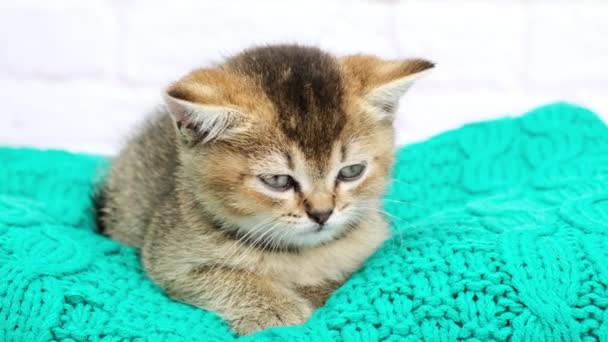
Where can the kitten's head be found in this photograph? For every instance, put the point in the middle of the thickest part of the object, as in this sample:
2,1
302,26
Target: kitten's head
288,145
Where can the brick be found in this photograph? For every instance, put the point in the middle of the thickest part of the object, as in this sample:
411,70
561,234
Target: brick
76,115
473,43
360,27
568,44
66,39
164,42
426,111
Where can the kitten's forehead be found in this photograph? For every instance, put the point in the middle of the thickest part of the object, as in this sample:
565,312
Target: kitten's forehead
305,87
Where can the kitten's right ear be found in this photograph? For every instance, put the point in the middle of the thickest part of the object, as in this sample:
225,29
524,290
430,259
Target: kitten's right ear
381,83
198,122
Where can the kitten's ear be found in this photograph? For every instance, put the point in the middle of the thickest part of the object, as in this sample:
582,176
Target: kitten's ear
381,83
198,118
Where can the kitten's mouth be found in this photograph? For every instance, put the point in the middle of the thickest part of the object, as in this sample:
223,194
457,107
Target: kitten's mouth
318,229
311,230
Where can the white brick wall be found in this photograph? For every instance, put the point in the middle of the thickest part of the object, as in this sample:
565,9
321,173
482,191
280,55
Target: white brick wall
78,74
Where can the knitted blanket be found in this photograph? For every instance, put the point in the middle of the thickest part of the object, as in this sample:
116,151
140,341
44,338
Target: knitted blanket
500,233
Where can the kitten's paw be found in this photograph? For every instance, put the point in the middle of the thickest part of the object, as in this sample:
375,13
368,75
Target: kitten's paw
275,316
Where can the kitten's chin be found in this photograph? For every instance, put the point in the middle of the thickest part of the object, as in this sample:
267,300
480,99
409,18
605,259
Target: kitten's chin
313,235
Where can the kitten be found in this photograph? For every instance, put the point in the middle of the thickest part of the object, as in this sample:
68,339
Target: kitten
257,191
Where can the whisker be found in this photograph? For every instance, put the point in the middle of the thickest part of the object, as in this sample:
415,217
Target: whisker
391,218
260,239
233,249
274,242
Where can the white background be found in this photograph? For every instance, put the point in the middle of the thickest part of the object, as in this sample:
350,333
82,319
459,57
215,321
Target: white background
77,74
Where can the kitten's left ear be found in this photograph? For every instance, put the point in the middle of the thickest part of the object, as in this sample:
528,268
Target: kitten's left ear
201,123
381,83
204,106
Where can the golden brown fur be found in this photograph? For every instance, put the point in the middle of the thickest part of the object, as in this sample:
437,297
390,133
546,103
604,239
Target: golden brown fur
190,189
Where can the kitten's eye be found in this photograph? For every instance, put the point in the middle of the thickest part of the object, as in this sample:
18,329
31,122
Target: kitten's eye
351,172
278,182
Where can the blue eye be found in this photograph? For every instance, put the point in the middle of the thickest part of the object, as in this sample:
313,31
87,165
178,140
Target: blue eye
351,172
278,182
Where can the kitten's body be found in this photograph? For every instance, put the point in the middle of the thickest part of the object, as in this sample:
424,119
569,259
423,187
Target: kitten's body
163,220
192,200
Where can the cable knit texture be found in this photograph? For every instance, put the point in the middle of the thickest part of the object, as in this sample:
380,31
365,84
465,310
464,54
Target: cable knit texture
500,233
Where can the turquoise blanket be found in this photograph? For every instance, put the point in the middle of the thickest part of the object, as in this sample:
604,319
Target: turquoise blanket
500,233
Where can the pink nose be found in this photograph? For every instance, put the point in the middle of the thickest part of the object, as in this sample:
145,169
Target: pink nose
319,216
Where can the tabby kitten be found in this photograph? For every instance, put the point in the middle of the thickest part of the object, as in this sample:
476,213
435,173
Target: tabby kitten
257,191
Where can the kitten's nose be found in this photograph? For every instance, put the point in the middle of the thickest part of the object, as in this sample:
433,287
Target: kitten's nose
320,216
